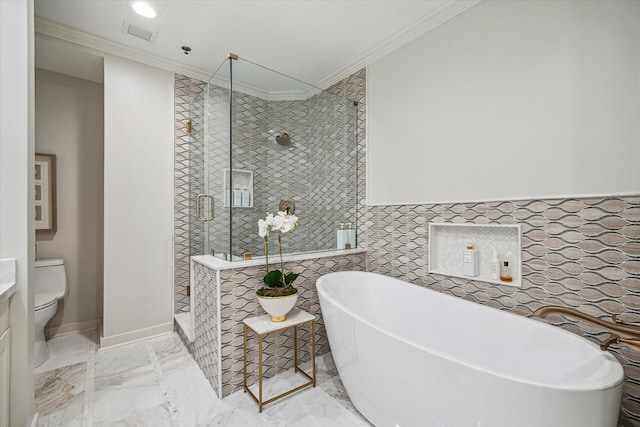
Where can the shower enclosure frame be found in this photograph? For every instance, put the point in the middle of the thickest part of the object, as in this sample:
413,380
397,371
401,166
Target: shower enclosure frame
321,125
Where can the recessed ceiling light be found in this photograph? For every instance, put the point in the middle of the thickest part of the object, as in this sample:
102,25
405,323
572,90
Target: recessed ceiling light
143,8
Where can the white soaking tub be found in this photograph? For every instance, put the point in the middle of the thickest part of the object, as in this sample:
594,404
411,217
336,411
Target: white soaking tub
410,356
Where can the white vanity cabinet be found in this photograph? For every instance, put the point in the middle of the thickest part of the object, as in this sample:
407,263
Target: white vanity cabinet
5,351
7,289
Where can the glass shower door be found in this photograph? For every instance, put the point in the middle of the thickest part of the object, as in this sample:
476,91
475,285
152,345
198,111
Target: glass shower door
197,190
209,156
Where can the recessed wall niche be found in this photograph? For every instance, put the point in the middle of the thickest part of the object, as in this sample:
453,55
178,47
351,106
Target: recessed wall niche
448,241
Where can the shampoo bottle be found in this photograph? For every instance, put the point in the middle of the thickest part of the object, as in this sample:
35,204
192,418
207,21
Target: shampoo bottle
246,196
341,237
495,266
470,261
351,235
237,196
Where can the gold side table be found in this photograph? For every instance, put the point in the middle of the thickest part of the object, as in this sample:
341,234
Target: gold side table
263,326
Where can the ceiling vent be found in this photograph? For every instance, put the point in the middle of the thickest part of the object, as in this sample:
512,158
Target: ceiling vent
139,32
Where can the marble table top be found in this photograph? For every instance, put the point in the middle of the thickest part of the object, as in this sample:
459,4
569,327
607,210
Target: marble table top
263,324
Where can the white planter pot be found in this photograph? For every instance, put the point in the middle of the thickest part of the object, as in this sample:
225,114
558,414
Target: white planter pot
278,307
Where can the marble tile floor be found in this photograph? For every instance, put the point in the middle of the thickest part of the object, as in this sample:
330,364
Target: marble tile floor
157,383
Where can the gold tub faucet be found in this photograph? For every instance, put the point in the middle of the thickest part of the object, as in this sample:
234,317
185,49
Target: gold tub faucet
614,339
627,333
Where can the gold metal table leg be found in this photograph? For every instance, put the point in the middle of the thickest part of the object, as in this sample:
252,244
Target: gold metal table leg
245,359
295,348
260,373
313,350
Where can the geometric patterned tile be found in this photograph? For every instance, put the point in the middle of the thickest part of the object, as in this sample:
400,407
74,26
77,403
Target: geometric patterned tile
582,253
317,172
187,96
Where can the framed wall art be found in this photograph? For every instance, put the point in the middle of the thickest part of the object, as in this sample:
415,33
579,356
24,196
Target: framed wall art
45,192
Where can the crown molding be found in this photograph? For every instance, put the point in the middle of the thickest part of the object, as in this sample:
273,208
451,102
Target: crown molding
438,16
98,45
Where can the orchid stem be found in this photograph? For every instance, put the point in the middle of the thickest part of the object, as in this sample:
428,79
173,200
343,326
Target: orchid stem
266,252
284,282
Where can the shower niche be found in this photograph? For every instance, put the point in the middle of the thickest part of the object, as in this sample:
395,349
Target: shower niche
238,188
268,137
447,242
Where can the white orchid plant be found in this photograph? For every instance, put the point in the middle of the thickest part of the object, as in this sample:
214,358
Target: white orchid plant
277,282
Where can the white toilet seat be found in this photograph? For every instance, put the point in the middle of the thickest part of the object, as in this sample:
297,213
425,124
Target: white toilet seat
45,300
50,285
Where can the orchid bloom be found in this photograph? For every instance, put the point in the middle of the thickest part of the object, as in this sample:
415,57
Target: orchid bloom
263,228
282,223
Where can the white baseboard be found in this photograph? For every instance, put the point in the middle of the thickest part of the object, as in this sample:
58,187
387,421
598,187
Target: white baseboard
71,327
137,335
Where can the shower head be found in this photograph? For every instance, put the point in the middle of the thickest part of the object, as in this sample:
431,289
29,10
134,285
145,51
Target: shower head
284,139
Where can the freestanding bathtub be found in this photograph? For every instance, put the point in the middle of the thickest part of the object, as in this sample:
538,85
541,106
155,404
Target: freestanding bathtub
409,356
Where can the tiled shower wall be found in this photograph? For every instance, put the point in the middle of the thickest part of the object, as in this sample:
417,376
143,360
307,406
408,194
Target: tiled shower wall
186,92
317,172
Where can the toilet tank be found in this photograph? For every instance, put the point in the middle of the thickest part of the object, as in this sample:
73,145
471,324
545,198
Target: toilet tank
51,277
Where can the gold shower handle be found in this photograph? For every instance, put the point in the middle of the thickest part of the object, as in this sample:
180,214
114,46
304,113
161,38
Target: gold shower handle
199,216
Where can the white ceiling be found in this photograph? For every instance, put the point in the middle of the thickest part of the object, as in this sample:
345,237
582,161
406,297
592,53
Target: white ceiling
319,42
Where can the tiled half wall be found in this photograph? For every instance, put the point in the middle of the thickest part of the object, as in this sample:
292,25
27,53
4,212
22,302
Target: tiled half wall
580,253
218,343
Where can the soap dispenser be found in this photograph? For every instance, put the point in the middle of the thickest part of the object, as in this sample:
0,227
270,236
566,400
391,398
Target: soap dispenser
341,237
470,261
351,237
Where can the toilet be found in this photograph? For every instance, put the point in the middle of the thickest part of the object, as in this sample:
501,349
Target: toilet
50,286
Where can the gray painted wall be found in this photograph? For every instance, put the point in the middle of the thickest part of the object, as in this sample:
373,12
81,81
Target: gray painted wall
69,124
